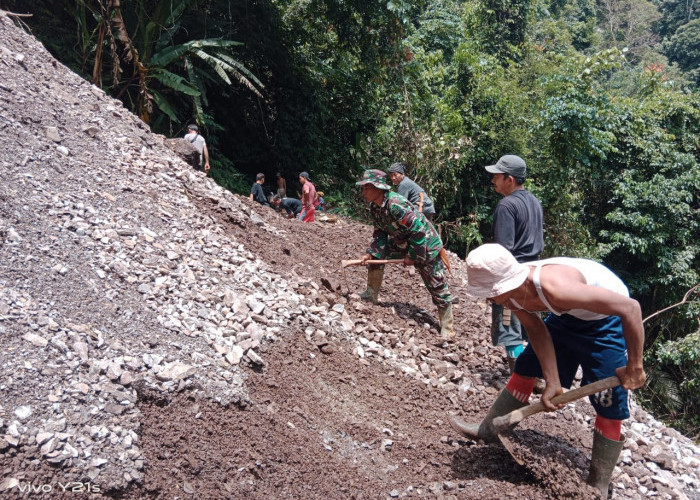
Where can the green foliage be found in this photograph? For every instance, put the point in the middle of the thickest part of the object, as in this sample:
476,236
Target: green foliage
655,220
657,225
226,175
344,49
629,23
148,34
674,383
580,20
684,48
576,125
676,13
579,117
503,24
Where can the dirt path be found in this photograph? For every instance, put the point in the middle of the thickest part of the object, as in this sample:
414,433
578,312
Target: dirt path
325,426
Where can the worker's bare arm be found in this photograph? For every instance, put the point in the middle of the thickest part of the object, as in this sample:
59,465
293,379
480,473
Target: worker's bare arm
566,289
541,342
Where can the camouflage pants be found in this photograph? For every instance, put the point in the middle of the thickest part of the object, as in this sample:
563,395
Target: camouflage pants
433,272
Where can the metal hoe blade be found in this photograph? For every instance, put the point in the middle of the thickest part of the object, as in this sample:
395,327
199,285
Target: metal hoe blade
503,425
508,445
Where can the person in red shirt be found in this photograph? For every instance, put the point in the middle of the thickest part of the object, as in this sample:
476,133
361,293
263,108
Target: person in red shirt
308,197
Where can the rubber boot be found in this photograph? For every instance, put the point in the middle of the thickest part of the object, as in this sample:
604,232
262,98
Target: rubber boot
512,351
447,327
504,404
511,364
605,455
374,283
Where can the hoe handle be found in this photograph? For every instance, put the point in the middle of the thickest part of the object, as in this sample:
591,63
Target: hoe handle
359,262
516,416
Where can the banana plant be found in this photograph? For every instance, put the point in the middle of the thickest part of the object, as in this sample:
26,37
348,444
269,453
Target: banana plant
210,52
164,73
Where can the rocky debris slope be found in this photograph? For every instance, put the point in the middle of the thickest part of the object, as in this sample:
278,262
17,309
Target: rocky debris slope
125,273
110,275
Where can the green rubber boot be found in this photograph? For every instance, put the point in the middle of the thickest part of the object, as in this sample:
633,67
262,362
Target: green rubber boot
504,404
375,275
511,364
603,460
447,326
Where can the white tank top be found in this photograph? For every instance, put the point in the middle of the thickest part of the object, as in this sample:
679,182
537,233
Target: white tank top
594,273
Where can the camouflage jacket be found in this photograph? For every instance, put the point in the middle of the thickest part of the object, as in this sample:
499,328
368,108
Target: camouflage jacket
409,230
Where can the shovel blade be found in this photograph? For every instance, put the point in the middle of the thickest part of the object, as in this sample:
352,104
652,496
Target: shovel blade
508,445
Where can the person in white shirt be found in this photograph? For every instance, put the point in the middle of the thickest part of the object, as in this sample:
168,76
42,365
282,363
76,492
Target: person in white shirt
193,136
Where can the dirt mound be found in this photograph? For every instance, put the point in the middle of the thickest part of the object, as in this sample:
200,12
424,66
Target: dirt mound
164,338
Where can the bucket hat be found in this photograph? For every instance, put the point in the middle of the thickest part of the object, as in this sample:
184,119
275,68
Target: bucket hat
375,177
492,270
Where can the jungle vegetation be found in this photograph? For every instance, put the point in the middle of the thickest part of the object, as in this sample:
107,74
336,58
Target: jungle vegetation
599,96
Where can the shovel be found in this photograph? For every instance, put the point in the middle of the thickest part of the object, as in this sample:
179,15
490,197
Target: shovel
359,262
502,425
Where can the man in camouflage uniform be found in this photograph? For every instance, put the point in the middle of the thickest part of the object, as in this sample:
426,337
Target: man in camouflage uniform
400,230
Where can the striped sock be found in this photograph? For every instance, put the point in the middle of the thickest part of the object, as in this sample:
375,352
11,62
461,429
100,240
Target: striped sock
608,427
520,387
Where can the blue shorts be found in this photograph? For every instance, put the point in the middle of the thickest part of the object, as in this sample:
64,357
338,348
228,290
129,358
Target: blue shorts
597,346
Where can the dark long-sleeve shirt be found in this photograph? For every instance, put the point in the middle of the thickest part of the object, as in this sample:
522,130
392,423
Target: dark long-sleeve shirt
412,191
291,205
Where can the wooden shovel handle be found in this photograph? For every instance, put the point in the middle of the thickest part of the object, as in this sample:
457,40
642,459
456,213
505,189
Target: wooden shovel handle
358,262
516,416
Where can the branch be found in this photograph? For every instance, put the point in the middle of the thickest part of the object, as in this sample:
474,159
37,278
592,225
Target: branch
7,13
684,301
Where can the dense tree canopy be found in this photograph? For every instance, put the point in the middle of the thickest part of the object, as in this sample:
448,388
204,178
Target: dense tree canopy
600,98
684,48
676,13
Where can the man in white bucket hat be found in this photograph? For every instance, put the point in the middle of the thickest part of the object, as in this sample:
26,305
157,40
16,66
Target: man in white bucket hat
593,324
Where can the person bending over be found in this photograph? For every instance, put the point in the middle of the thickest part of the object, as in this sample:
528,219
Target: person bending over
592,323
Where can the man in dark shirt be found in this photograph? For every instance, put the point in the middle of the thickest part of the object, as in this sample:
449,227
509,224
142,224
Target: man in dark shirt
411,191
517,226
291,205
256,191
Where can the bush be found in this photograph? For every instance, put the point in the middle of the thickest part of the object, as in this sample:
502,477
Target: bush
674,383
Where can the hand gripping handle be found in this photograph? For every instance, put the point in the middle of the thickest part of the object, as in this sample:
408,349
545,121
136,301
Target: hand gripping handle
516,416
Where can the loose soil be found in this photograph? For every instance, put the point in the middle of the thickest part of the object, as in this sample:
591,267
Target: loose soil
320,419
